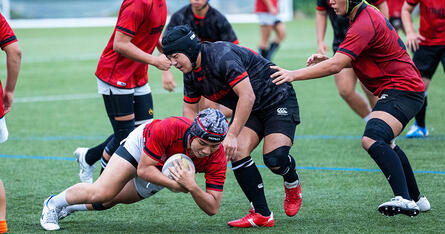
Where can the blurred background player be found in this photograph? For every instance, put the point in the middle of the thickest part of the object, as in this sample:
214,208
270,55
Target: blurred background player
428,46
134,171
395,13
3,225
267,12
209,25
9,44
379,58
122,77
239,78
346,79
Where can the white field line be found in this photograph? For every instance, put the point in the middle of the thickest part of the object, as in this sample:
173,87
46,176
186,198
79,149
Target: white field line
81,96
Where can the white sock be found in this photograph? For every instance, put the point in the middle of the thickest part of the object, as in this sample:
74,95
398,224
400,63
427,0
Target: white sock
291,185
78,207
58,201
366,118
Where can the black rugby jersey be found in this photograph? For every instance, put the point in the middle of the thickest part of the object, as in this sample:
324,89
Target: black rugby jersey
340,24
213,27
224,65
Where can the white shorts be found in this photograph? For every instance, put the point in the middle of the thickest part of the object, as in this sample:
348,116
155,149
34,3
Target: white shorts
265,18
3,130
107,89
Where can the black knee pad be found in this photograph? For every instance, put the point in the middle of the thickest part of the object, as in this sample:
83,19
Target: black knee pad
379,130
123,129
112,146
280,160
143,108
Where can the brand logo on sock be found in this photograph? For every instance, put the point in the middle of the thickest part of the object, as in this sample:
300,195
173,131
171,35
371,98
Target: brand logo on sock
384,96
260,186
389,177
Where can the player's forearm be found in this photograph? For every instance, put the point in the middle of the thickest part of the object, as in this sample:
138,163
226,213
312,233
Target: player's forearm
383,7
320,25
13,60
242,112
130,51
153,175
322,69
205,201
407,19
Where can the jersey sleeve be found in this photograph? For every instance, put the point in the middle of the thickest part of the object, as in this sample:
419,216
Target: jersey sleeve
132,15
412,2
215,173
359,36
376,2
322,5
232,69
7,36
191,93
156,140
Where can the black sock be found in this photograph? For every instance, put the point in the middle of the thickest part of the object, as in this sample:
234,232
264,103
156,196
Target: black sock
103,163
291,176
389,162
94,154
272,48
413,189
99,206
249,179
420,117
264,52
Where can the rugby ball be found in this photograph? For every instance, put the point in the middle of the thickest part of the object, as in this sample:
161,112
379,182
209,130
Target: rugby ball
185,161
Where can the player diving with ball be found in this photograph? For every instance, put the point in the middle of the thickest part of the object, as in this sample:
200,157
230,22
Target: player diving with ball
134,174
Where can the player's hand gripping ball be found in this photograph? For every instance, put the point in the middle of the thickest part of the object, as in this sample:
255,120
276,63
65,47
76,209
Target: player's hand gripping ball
183,159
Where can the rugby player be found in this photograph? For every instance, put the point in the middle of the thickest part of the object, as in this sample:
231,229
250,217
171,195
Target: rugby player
238,78
381,62
133,172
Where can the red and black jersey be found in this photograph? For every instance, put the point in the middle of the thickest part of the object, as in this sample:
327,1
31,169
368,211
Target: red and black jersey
223,66
379,57
395,8
260,6
7,37
432,21
340,24
143,20
164,138
213,27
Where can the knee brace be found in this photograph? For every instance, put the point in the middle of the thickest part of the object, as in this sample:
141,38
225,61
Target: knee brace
279,161
379,130
123,129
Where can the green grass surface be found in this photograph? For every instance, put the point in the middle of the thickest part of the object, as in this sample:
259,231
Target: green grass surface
59,62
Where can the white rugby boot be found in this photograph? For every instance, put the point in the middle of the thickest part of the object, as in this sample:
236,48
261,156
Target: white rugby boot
64,212
423,204
86,171
399,205
49,220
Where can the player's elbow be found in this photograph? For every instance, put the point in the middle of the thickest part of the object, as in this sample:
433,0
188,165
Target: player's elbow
212,211
335,67
117,46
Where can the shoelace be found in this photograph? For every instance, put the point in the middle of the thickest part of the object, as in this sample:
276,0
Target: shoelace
51,216
292,195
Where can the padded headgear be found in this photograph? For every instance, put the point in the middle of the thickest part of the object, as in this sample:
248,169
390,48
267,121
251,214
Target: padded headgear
181,39
210,125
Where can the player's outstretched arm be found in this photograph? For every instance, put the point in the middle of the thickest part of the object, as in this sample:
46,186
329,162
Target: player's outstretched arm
13,62
321,69
123,45
190,110
148,171
412,38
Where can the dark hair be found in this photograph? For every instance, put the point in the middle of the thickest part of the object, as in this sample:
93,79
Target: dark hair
181,39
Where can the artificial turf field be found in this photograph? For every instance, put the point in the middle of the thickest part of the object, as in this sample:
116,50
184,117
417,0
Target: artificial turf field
57,109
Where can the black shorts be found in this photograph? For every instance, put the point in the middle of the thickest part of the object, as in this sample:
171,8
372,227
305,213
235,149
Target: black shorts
127,104
403,105
123,153
282,118
427,58
396,22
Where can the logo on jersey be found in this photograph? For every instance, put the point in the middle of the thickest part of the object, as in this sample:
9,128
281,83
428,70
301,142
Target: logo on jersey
120,83
384,96
201,78
282,111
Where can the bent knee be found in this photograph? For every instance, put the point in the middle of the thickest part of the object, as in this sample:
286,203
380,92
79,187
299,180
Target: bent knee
367,142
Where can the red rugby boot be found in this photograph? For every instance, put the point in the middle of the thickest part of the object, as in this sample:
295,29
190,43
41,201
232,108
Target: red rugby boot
292,201
253,220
